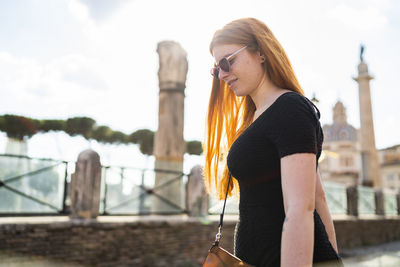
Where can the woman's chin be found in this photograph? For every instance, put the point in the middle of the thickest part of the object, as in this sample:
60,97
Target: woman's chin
238,92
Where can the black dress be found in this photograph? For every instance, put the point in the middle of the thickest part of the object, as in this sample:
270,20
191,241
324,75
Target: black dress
290,125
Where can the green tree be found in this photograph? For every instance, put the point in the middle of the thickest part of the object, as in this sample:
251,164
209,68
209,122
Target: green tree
18,127
80,125
102,134
145,138
118,137
194,147
52,125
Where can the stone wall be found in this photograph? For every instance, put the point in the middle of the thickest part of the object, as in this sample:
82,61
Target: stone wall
150,240
353,233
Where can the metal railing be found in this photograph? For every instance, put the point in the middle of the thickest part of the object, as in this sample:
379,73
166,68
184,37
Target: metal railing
366,200
336,197
390,203
133,191
38,186
32,186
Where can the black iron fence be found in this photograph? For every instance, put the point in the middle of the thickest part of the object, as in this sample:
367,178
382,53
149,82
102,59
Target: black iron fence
32,186
38,186
134,191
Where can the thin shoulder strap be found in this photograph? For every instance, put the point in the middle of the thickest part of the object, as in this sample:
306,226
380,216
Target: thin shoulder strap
221,218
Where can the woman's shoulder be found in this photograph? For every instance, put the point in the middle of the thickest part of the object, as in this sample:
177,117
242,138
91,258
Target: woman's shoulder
287,108
293,97
294,103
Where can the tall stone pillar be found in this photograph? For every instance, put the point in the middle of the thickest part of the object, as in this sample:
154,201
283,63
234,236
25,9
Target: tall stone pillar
370,165
169,144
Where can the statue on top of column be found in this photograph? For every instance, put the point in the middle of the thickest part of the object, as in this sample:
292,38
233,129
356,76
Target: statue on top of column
361,52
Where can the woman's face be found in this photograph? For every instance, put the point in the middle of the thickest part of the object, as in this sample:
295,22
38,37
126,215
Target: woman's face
246,72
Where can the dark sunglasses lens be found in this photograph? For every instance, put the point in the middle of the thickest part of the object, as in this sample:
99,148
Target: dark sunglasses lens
224,65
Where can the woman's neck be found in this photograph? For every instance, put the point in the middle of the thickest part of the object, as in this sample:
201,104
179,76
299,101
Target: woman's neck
265,94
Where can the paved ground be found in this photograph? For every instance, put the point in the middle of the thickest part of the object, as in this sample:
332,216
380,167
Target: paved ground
387,255
7,261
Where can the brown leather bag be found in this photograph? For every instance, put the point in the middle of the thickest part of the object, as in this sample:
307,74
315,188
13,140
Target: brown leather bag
217,256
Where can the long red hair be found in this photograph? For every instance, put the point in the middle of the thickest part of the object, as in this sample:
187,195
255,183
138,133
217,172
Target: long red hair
229,115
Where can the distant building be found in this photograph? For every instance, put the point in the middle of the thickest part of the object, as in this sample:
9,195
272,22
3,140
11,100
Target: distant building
341,154
389,159
341,158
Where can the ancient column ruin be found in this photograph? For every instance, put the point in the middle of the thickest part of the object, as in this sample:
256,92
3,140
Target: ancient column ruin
169,144
85,186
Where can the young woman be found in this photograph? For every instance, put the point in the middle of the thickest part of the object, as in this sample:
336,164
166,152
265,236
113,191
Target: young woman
273,138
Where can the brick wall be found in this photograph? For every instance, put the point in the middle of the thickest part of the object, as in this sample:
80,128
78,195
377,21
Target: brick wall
149,241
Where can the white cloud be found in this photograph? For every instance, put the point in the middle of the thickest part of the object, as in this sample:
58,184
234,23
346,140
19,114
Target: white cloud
368,18
19,74
29,76
81,71
64,87
79,10
101,9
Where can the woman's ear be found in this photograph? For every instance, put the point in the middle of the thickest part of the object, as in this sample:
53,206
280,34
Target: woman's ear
262,58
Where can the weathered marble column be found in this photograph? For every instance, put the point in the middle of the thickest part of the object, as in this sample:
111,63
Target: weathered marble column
85,186
169,144
370,165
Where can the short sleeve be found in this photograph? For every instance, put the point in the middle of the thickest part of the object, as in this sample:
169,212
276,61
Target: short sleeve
294,126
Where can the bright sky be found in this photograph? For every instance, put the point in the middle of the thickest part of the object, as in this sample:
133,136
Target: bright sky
98,58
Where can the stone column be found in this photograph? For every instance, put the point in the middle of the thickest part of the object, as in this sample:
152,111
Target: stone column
196,195
370,165
169,144
85,186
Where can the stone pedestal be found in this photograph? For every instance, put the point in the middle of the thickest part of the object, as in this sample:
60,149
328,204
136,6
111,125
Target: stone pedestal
85,186
196,197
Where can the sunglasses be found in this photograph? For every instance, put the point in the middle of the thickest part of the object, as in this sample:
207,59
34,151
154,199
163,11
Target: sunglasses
224,64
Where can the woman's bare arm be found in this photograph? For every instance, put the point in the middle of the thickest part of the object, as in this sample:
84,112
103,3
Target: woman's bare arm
323,211
298,188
